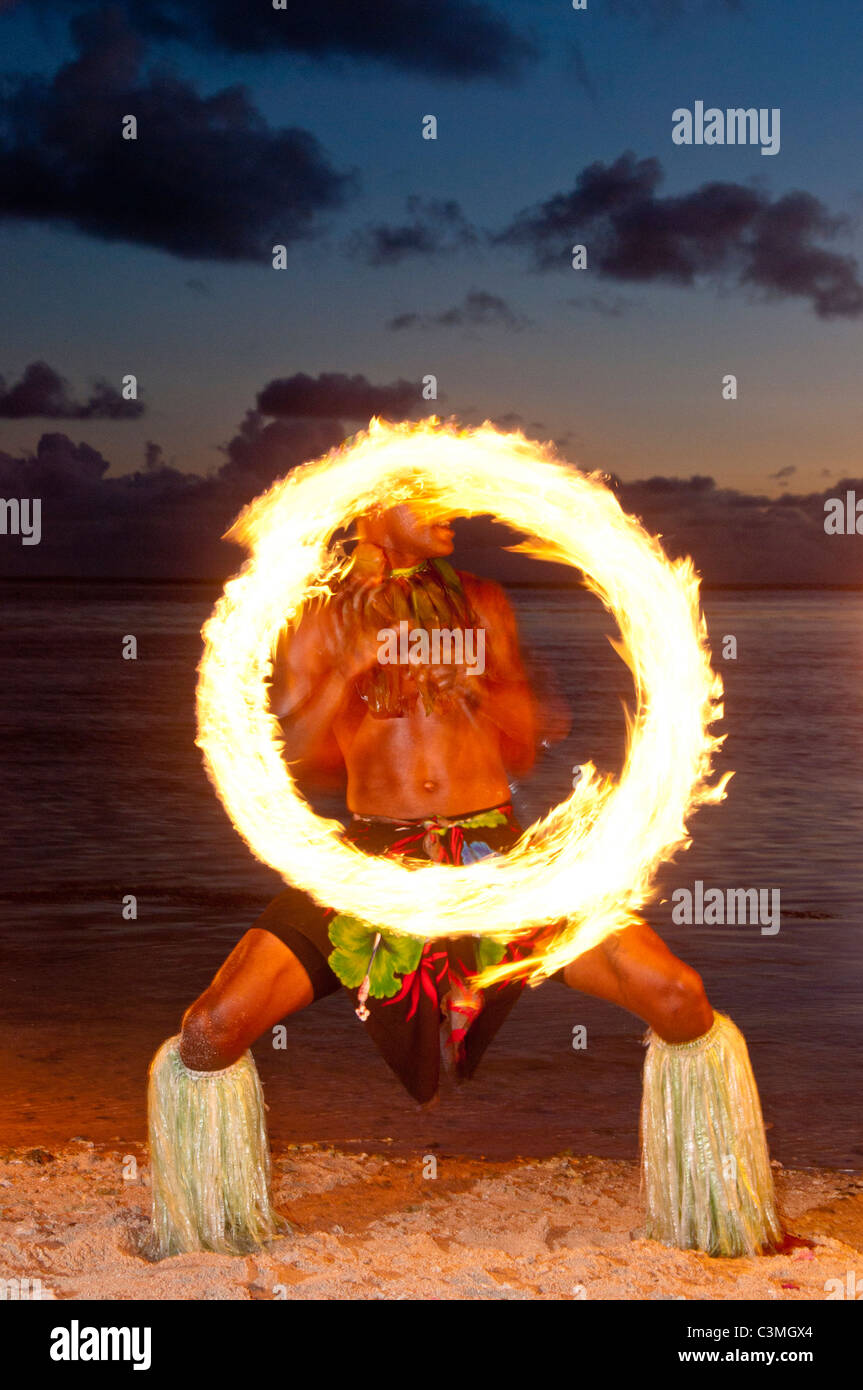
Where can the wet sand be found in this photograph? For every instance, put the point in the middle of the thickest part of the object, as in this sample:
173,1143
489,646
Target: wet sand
380,1226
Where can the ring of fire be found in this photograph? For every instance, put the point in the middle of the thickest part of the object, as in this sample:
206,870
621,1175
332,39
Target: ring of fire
589,864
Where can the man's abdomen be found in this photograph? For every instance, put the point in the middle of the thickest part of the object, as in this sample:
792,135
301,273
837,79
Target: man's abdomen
424,764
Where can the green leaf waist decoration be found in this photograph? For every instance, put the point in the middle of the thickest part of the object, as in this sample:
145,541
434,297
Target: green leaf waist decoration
483,819
489,951
354,943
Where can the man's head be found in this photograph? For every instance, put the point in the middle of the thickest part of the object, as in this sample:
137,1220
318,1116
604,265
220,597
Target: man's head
406,533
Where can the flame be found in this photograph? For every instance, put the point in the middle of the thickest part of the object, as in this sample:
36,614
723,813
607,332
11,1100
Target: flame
589,865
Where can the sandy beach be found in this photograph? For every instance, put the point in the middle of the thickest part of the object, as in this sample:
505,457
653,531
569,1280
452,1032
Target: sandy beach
517,1209
372,1226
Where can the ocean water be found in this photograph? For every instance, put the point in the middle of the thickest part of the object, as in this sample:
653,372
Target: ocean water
103,795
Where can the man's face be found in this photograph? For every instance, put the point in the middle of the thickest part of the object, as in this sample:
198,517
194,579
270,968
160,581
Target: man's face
409,531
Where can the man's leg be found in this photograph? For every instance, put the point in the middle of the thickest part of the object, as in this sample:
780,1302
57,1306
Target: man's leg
260,983
636,970
208,1138
705,1164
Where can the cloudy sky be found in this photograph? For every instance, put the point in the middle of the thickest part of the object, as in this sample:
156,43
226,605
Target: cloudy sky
408,256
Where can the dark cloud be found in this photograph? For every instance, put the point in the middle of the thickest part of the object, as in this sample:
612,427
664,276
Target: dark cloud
207,178
718,230
157,522
734,538
782,260
434,227
337,396
452,38
43,393
262,451
58,467
153,523
511,420
783,474
743,538
477,309
409,320
161,522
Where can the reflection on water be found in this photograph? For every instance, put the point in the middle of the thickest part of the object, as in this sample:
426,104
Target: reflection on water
105,796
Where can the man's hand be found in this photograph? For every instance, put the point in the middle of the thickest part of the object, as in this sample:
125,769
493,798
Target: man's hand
451,677
315,666
504,693
351,648
357,656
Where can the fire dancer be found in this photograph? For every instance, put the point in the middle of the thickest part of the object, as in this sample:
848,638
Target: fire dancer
428,746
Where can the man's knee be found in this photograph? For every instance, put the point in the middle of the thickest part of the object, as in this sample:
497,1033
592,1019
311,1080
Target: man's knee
683,1010
206,1038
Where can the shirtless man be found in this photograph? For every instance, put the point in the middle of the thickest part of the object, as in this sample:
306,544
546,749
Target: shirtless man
429,778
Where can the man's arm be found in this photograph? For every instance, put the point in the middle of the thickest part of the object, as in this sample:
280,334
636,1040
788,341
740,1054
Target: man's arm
506,696
314,671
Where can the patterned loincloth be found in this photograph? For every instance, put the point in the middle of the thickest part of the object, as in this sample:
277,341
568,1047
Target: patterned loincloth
411,994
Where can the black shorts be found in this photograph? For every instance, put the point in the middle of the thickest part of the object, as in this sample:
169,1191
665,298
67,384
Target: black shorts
406,1027
303,926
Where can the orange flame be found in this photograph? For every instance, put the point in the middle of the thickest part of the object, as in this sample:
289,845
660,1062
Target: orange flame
588,865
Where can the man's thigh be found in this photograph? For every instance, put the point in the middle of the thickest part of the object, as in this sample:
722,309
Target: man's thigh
261,981
261,976
633,968
278,967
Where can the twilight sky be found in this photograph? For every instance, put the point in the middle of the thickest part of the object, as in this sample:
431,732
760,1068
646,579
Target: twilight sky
409,256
